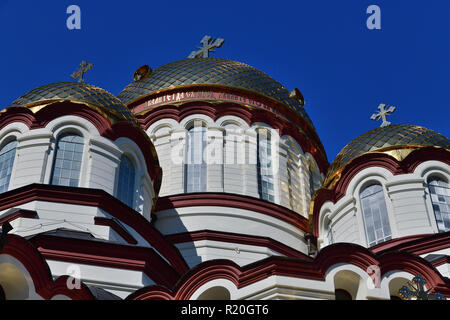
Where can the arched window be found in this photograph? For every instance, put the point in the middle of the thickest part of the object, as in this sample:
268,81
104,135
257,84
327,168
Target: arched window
440,198
264,165
196,168
7,154
125,185
67,164
375,214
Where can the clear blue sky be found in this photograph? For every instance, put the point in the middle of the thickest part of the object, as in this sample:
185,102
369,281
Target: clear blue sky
321,47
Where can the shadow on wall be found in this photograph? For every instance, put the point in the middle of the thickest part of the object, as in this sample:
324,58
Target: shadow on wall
172,219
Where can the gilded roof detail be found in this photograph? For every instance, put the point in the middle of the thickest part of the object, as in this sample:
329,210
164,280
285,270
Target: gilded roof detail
87,94
211,71
394,140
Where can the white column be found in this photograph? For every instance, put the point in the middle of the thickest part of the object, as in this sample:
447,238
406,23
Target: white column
250,176
409,210
163,146
32,153
281,177
177,154
234,161
104,160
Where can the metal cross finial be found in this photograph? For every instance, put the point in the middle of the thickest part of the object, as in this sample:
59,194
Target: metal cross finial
208,45
416,289
382,114
84,67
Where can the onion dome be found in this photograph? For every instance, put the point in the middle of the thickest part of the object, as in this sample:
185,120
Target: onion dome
395,140
210,72
77,92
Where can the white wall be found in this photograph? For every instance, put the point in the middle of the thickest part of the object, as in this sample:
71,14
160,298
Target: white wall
235,145
407,198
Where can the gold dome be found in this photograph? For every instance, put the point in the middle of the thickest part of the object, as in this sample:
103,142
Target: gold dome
395,140
211,71
89,95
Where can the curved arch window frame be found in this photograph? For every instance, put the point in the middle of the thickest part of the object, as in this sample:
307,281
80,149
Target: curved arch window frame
438,198
131,200
365,218
10,159
195,165
58,136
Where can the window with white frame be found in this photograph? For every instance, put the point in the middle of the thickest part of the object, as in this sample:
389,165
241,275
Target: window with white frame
196,168
376,220
7,154
68,158
440,198
264,165
125,185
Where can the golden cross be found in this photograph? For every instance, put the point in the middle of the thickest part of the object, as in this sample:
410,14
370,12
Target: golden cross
84,67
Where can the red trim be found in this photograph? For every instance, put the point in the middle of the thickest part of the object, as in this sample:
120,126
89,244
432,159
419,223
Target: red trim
239,239
232,201
111,255
439,262
309,140
102,200
21,213
121,231
417,244
39,271
103,125
282,266
407,165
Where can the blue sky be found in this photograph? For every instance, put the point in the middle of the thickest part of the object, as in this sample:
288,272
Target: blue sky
324,48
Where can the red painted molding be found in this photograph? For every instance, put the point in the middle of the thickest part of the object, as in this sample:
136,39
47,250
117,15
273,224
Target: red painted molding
297,268
407,165
239,239
233,201
105,254
439,262
35,264
102,200
121,231
20,213
306,138
417,244
284,113
111,131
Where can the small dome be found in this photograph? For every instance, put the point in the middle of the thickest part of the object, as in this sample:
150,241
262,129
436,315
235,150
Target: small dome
389,139
92,96
210,71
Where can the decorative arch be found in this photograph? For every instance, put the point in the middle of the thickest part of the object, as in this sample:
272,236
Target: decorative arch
217,110
327,259
39,271
105,128
339,189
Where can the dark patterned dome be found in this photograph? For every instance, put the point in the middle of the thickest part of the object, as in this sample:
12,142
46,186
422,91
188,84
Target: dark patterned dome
210,71
389,139
92,96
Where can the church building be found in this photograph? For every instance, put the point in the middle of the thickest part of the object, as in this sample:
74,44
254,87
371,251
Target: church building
205,178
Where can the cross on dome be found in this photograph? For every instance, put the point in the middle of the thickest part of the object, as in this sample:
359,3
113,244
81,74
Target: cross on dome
382,114
208,45
84,67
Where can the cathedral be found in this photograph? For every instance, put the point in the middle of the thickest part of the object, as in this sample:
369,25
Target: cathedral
205,179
